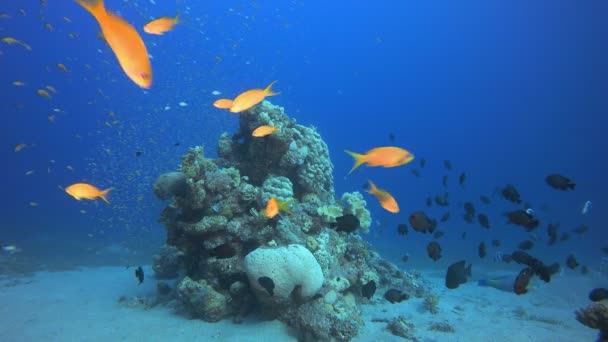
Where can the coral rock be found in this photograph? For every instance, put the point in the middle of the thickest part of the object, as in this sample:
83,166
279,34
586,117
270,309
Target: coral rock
202,300
287,267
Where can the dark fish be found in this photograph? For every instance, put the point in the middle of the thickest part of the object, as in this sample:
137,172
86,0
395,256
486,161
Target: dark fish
457,274
525,245
564,237
176,144
447,164
484,199
483,221
346,223
139,274
496,243
368,289
481,250
468,217
560,182
395,296
422,223
522,281
415,172
582,229
462,178
463,235
445,217
444,181
405,258
571,262
429,201
402,229
522,218
433,249
267,284
552,232
138,153
391,137
422,163
511,194
442,201
540,269
438,235
469,208
598,294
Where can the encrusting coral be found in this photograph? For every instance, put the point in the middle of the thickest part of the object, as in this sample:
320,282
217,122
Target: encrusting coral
294,266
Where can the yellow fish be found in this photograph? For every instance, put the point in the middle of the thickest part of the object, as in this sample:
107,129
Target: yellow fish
43,93
62,67
246,99
87,191
386,156
18,84
20,147
161,25
274,206
125,42
13,41
387,201
263,131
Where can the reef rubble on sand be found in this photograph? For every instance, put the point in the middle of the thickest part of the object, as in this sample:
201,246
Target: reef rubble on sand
232,260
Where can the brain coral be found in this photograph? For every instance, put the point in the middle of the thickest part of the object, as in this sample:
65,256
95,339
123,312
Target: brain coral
277,187
287,267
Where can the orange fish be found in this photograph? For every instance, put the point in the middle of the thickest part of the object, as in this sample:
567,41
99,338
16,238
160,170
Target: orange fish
124,41
87,191
161,25
387,156
263,131
274,206
223,104
248,99
387,201
20,147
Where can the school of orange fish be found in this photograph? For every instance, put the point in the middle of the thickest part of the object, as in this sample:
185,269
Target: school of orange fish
132,56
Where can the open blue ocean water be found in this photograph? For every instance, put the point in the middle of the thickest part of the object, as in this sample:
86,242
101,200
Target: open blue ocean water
508,91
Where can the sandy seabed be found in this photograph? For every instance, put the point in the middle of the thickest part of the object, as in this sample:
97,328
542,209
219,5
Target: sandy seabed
83,305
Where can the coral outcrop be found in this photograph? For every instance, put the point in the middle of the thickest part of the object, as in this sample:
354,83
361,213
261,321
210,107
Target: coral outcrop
295,267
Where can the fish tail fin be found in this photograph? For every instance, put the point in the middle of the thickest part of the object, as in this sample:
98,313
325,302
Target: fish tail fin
268,90
359,159
104,195
95,7
372,187
284,206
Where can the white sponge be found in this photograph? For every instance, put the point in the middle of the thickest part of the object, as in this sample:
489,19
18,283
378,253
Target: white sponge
287,267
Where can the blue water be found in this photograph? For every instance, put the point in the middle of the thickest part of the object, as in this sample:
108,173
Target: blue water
509,92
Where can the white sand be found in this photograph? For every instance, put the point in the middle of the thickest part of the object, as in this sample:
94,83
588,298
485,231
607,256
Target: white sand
83,306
